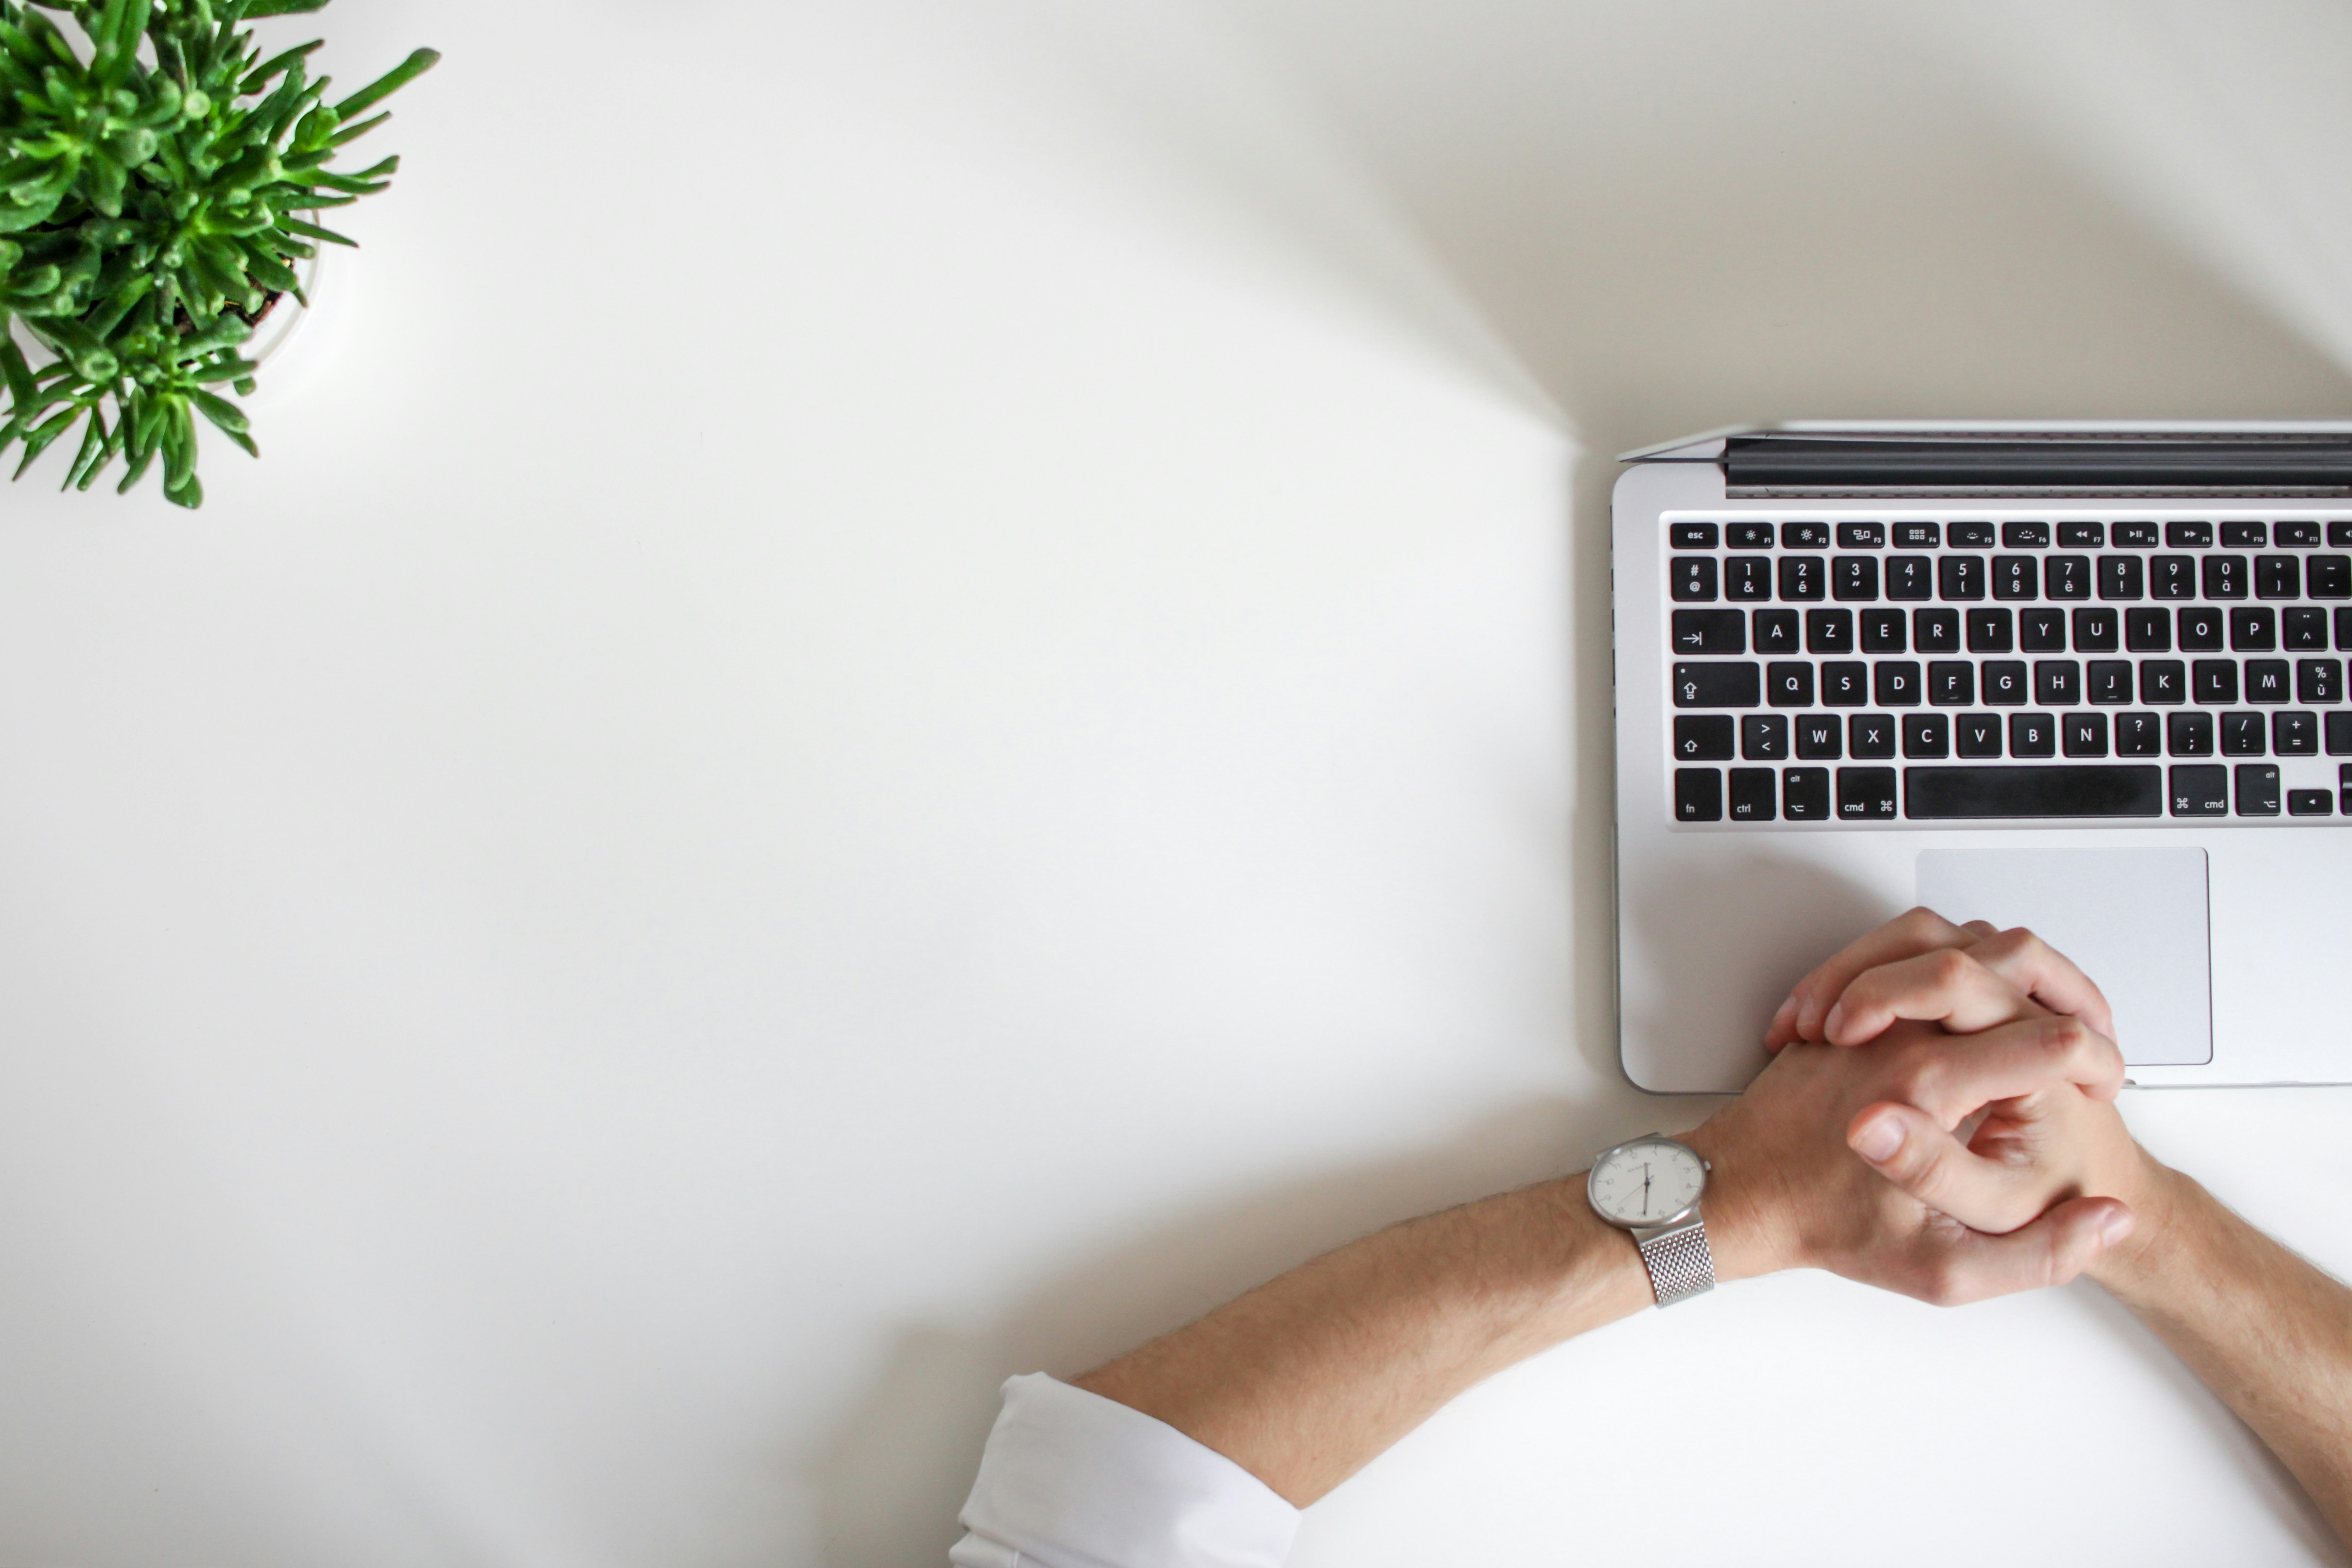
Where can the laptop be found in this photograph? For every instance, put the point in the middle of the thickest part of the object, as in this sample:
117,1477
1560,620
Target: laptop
2088,678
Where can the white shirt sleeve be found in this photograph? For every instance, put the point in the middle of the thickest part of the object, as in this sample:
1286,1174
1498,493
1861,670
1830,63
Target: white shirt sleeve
1070,1479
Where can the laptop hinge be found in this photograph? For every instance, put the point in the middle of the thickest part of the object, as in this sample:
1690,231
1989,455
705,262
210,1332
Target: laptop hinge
2037,463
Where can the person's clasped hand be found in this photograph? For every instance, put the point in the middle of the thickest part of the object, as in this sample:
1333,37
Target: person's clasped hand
1937,1119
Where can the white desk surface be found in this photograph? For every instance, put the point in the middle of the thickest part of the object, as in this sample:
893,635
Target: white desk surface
913,687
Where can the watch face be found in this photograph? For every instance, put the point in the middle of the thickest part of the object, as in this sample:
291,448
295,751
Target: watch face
1647,1182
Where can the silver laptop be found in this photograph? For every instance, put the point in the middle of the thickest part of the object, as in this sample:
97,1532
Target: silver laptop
2088,678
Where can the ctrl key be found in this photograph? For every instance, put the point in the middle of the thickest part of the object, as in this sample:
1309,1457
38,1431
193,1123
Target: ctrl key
1865,794
1699,795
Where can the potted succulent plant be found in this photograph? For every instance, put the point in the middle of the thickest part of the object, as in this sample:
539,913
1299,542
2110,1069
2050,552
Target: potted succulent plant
159,185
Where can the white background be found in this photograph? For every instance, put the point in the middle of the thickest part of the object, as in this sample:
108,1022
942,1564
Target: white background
912,687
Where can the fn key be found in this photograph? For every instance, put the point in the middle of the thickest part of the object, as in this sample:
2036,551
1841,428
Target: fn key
1699,795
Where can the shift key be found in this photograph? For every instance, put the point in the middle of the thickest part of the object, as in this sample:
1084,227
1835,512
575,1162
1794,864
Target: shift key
1724,685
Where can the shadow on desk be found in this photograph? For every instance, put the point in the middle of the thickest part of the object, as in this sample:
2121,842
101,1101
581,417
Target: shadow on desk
890,1484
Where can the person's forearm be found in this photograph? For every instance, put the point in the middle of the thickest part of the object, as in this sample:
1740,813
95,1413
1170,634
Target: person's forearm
1303,1380
2267,1332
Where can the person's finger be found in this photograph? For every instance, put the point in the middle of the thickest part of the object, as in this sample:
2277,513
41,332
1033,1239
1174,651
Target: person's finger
2047,975
1915,931
1960,1266
1947,987
1915,1153
1952,1077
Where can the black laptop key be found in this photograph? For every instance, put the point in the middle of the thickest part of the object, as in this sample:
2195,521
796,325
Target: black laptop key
2253,628
1894,682
2245,535
2172,577
1959,576
2139,735
2200,790
2214,681
2188,535
2242,735
2308,803
1990,631
2318,681
1729,684
2084,734
1776,631
2278,578
2338,730
1703,737
1829,631
2258,789
1938,631
2122,577
1951,683
2032,735
1820,737
1917,535
1752,790
1977,735
1883,632
2303,629
1970,535
2025,536
1803,577
2343,631
1865,794
1854,578
2004,682
2108,681
2147,631
1693,579
1870,736
1709,631
2066,577
2014,576
1845,683
2266,681
1804,536
2330,576
2298,536
1789,684
2082,535
2063,789
1926,735
2202,629
2225,576
1862,536
2136,536
1910,577
2294,734
2042,631
1692,535
2057,682
1748,579
2188,734
2096,631
1764,737
1749,535
1699,795
1805,794
2163,680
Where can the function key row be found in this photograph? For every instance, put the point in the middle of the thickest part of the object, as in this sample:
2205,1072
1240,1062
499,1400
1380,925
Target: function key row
1861,579
2199,628
2009,535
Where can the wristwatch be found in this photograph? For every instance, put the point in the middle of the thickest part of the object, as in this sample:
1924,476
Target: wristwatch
1650,1186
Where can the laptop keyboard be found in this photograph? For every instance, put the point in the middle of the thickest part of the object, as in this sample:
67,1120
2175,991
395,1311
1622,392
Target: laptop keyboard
1956,672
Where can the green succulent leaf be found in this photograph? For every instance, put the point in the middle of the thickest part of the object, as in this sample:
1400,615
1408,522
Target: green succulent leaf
159,181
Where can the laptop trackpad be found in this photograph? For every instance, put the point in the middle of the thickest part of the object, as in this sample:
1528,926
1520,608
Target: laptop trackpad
2132,919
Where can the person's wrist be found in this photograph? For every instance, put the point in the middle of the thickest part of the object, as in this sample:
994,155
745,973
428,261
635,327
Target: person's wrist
2161,1200
1744,1206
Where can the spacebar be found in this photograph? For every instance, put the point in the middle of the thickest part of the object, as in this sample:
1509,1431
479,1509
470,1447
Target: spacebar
2073,789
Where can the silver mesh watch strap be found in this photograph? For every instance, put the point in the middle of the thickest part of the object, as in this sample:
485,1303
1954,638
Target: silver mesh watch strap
1679,1263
